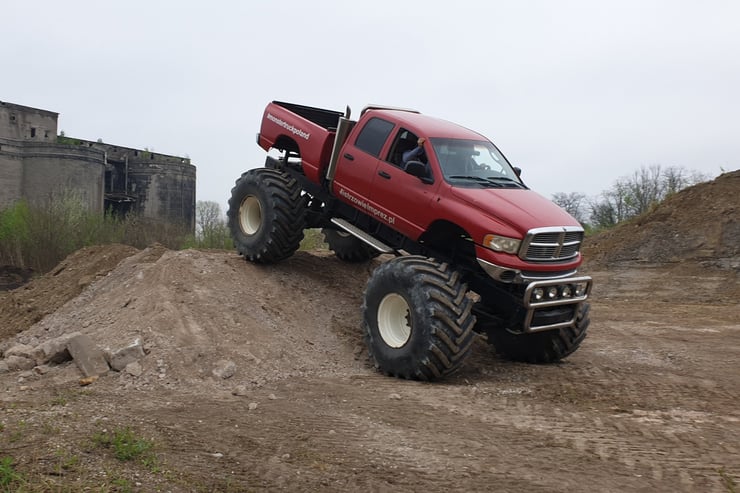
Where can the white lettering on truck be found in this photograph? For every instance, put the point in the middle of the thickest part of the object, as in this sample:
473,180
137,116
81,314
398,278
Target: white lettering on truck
287,126
369,208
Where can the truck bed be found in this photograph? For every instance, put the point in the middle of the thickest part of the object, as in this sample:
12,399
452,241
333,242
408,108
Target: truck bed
304,130
324,118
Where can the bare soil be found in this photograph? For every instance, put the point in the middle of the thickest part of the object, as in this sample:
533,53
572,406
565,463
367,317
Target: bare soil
648,403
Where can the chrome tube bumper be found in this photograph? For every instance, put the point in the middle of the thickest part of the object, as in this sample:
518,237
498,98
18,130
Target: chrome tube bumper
532,305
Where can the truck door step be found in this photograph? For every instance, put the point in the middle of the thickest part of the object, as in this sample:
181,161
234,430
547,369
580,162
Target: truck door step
357,232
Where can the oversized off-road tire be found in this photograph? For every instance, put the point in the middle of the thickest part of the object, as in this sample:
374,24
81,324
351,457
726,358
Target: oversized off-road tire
266,215
548,346
347,247
418,319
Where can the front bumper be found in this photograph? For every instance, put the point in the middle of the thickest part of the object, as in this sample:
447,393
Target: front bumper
533,306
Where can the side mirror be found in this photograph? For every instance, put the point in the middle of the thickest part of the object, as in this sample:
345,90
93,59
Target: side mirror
419,170
518,171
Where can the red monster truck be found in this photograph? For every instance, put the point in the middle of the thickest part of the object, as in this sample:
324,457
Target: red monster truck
475,249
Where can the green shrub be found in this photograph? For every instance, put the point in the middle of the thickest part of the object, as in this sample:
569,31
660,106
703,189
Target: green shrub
14,234
313,239
39,235
8,475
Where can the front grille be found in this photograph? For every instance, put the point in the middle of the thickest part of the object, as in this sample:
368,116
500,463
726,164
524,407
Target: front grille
551,244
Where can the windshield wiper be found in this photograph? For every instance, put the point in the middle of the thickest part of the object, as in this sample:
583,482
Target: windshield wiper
477,179
507,180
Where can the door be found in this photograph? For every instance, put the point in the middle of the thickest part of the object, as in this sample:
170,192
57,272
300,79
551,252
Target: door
358,163
402,196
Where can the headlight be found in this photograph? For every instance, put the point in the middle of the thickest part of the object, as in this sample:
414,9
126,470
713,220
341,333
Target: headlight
538,294
552,292
501,243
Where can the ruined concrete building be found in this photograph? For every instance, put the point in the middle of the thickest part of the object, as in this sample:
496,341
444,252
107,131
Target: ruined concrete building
36,165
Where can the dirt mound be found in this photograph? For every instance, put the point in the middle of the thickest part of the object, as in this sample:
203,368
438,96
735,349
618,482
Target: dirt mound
197,311
698,224
23,307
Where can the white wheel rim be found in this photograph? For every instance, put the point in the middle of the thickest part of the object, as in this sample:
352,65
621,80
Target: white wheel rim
250,215
393,320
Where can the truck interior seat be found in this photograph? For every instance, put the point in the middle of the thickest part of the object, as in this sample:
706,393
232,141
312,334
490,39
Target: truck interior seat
402,146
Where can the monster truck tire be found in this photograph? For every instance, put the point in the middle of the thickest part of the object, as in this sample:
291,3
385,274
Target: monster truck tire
347,247
542,347
418,320
266,215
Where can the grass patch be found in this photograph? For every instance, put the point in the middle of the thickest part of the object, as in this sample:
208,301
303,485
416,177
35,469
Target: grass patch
17,434
727,480
126,446
66,462
9,477
60,400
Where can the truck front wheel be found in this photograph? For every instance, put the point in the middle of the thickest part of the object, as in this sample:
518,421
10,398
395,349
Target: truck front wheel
548,346
418,319
266,215
347,247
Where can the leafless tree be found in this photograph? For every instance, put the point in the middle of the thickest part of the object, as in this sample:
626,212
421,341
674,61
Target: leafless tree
210,225
636,194
573,203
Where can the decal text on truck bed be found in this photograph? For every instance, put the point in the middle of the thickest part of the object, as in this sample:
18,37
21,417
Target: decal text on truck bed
287,126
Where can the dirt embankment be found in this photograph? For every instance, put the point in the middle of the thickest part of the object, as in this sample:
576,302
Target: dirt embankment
23,307
698,224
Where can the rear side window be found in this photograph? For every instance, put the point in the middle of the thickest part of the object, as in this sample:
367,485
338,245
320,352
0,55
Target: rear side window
373,136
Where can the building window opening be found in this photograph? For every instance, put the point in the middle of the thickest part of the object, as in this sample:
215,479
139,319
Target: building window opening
33,132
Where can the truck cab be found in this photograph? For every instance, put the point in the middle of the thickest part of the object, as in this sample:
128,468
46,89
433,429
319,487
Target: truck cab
463,186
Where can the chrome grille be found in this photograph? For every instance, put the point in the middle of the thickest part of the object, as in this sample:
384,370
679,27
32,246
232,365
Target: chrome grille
551,244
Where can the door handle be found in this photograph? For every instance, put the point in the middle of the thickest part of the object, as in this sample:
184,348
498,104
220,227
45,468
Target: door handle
384,175
349,156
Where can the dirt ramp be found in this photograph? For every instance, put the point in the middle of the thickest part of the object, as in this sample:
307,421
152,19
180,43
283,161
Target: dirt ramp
210,319
698,224
24,306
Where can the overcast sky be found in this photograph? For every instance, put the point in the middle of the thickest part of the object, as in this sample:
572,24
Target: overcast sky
577,93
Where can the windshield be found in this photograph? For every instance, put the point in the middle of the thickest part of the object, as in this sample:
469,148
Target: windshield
474,163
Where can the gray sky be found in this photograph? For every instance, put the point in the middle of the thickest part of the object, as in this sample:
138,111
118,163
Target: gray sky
577,93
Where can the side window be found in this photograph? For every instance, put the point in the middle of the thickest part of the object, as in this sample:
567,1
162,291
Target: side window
373,136
404,141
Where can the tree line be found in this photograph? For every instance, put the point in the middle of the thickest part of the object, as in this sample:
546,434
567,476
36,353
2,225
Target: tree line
629,196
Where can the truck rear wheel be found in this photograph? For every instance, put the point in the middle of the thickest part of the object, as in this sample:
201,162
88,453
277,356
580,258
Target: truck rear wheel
347,247
548,346
266,215
418,319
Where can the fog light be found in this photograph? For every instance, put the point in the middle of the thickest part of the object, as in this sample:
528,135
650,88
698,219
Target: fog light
552,292
538,294
580,289
567,292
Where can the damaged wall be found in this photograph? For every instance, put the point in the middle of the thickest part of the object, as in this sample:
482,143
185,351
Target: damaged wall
35,165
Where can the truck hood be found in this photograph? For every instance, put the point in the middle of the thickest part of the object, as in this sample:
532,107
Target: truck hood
520,209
